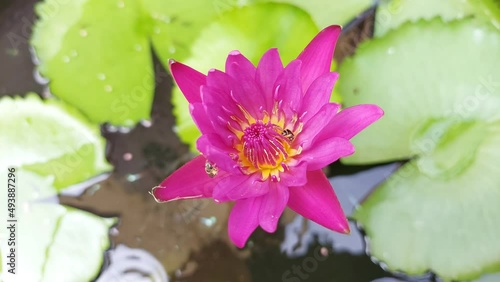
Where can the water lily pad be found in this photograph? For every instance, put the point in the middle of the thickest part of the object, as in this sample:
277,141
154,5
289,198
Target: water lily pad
417,223
242,29
176,24
69,244
437,85
427,73
392,13
97,57
331,12
51,139
97,54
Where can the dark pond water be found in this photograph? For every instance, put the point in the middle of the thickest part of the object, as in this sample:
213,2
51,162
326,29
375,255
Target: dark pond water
188,239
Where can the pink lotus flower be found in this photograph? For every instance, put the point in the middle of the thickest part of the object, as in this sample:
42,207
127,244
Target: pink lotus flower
266,133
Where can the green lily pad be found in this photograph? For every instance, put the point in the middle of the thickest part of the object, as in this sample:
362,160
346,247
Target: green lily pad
54,242
175,25
392,13
51,139
334,12
68,245
436,84
97,57
241,29
417,223
97,54
426,72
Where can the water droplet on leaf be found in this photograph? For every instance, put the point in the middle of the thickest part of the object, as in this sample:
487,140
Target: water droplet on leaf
83,33
101,76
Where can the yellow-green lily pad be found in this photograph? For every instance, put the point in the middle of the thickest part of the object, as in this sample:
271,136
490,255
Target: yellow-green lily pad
426,72
437,84
57,243
50,138
97,54
392,13
325,13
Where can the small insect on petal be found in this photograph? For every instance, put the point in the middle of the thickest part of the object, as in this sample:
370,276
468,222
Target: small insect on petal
288,134
211,169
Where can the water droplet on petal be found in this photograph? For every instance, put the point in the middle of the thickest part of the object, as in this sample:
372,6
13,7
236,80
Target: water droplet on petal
108,88
84,33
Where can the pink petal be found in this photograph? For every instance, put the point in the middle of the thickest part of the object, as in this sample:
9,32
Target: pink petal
352,120
269,68
235,58
217,152
288,88
220,81
243,85
295,175
188,80
200,118
243,220
273,205
317,201
314,126
225,106
246,93
326,151
218,91
188,182
219,114
318,55
318,94
239,187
